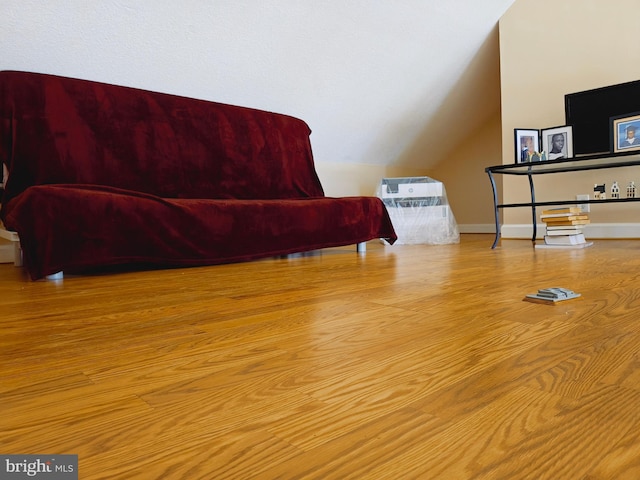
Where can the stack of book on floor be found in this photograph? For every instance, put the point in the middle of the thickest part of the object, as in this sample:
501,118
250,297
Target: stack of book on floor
564,228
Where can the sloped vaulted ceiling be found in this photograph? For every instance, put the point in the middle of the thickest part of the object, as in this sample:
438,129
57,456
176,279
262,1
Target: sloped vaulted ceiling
402,82
421,87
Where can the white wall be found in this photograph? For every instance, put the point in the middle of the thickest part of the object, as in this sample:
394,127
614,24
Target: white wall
366,76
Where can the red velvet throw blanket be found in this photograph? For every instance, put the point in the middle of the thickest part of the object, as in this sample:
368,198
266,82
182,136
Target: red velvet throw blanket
103,175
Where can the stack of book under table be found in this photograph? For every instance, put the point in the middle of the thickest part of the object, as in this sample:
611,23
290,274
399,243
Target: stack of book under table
564,228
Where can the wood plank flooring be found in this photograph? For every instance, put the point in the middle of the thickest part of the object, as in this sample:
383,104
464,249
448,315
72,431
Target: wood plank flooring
406,362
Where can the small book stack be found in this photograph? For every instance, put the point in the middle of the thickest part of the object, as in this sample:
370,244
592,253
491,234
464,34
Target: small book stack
564,228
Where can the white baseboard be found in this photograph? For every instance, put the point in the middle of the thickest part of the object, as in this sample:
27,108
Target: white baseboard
6,253
477,228
10,251
593,230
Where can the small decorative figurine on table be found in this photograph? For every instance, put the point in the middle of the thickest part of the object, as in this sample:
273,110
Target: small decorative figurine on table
599,192
631,190
615,190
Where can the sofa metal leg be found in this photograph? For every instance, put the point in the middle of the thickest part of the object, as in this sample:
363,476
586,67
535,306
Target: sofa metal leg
17,255
361,247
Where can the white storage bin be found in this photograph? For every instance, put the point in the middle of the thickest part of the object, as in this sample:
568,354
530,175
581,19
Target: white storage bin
419,210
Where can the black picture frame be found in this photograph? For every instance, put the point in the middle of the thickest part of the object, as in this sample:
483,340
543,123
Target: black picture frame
621,127
564,135
522,137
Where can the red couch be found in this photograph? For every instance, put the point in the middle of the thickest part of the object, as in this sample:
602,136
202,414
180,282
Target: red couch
103,175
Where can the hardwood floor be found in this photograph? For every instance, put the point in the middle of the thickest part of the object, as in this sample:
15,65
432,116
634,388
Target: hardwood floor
407,362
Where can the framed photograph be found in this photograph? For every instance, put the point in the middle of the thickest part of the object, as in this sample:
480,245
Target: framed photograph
527,144
557,142
625,133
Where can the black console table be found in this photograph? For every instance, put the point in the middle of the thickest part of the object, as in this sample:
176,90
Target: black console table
532,169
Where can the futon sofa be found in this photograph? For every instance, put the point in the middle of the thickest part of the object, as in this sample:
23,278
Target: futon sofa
103,175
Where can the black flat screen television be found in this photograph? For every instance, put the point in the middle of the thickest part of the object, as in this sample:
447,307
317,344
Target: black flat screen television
589,112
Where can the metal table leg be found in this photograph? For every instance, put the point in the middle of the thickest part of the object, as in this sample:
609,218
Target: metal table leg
533,207
495,208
